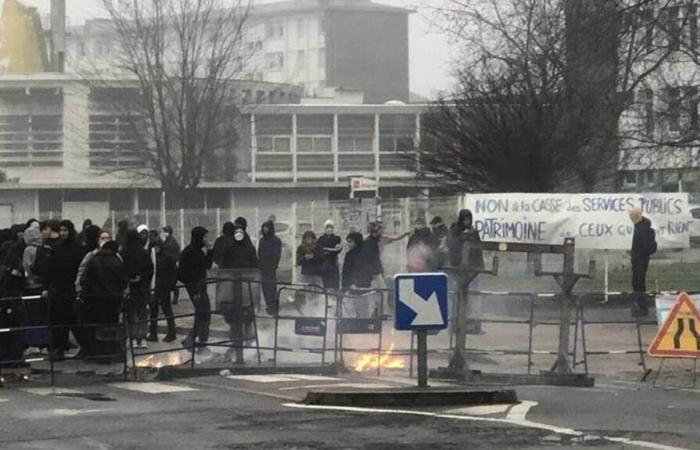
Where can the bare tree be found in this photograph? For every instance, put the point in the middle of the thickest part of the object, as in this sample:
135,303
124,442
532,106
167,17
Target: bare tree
543,90
182,58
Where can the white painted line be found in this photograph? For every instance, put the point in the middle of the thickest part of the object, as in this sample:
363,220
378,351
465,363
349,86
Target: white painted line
51,391
517,413
484,410
153,388
342,385
303,377
262,378
3,400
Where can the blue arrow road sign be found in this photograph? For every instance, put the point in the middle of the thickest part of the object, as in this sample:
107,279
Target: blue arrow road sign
421,301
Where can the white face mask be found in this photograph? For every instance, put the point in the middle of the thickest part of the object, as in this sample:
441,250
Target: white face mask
164,236
239,235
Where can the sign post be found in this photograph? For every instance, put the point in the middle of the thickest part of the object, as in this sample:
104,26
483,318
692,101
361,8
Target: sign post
421,305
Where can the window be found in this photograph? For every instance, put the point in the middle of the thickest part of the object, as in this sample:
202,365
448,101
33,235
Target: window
274,61
259,96
355,133
274,30
396,132
301,28
301,59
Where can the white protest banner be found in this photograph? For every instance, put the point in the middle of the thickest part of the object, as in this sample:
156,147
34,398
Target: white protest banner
596,221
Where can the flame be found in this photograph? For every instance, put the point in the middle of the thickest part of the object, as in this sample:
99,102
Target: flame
370,361
161,360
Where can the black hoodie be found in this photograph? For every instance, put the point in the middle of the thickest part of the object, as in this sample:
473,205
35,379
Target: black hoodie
462,232
194,261
269,248
643,240
137,262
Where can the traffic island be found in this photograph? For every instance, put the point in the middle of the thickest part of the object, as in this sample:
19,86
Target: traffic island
175,372
410,397
476,377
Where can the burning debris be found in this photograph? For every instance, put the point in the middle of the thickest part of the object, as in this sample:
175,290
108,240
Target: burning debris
386,360
163,360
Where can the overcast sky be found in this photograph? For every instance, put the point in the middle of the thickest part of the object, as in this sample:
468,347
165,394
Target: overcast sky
430,52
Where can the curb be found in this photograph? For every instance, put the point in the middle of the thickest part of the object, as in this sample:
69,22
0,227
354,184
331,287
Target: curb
542,379
411,397
173,372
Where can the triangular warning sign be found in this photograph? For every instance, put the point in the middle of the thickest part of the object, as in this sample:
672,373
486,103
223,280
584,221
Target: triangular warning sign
679,336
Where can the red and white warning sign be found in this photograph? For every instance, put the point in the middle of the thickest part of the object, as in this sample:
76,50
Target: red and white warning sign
679,336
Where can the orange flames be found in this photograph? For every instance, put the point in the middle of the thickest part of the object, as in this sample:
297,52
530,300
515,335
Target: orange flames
161,360
385,360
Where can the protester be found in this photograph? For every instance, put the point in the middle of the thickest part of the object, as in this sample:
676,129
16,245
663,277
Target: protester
165,281
356,277
329,246
93,240
643,246
122,230
269,254
308,258
139,269
464,238
172,249
440,231
372,255
194,262
34,284
422,248
82,237
103,284
12,344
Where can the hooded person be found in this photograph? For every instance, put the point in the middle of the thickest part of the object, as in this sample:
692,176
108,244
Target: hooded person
329,245
463,239
147,239
64,262
35,284
172,249
356,276
440,231
165,281
421,249
643,246
82,237
195,261
269,254
103,285
140,270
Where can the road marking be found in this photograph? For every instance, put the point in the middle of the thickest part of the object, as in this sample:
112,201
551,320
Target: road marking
343,385
303,377
153,388
484,410
518,414
262,378
51,391
244,391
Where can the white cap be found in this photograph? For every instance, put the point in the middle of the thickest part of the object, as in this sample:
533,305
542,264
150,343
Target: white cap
328,223
141,228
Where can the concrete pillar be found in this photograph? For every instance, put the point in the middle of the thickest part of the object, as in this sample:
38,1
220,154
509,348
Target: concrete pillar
253,149
334,147
293,147
375,148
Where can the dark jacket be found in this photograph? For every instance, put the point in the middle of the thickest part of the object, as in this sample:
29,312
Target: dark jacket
269,249
309,266
171,248
643,240
194,262
138,263
166,272
232,254
330,256
104,280
65,260
355,269
372,257
464,238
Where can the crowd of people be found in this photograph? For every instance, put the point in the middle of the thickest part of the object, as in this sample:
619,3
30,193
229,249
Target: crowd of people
81,282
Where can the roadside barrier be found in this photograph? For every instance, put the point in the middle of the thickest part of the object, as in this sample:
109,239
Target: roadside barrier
372,310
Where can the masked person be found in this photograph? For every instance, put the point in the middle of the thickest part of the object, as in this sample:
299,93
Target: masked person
269,254
195,261
356,278
94,238
140,270
165,281
172,249
329,246
309,259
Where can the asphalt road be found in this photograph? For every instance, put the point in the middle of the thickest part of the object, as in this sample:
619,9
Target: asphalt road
262,413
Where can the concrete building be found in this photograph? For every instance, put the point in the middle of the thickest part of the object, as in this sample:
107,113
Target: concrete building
315,44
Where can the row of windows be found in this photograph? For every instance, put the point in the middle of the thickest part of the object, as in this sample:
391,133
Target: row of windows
355,124
276,29
324,144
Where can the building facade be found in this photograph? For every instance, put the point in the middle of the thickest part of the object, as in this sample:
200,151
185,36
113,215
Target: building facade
315,44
